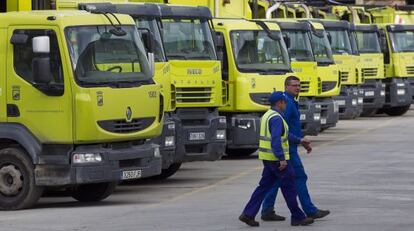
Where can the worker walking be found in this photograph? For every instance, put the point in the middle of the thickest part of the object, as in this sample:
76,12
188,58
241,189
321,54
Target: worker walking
274,152
292,117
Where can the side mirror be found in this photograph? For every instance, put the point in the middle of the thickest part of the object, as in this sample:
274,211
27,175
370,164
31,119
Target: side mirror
329,38
151,62
219,40
287,41
147,39
41,70
41,44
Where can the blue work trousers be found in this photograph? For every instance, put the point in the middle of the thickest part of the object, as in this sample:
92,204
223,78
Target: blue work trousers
270,175
308,207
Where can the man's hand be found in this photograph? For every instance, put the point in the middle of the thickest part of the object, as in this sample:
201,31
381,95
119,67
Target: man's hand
283,164
306,144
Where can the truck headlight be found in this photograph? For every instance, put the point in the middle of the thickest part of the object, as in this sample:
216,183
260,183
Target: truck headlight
400,84
354,102
401,92
318,106
317,116
336,107
171,126
244,124
82,158
221,134
382,93
157,153
360,100
169,141
222,120
383,85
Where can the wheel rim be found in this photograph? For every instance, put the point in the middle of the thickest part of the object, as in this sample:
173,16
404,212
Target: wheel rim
11,180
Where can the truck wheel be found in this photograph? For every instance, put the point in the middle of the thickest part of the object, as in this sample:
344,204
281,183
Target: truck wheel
240,151
18,189
168,172
397,111
93,192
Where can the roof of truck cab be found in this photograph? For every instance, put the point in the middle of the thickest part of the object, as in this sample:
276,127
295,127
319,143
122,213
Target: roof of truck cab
241,24
315,25
59,18
332,24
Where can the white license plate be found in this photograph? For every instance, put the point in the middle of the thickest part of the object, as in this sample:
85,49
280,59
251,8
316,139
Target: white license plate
369,93
197,136
341,102
131,174
302,117
323,121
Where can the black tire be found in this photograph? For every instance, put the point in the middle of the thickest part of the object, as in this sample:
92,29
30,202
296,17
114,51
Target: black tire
165,173
18,188
369,112
240,151
397,111
93,192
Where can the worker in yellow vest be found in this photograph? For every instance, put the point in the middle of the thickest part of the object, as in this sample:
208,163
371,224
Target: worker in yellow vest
274,152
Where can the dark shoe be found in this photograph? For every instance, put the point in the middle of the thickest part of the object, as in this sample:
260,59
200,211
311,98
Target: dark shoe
303,222
272,216
249,221
320,214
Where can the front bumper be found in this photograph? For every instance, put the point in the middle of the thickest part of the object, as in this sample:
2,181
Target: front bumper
197,134
329,112
374,94
58,170
167,142
243,130
310,117
397,92
349,108
411,82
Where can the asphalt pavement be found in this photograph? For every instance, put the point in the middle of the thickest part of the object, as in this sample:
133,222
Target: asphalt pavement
362,170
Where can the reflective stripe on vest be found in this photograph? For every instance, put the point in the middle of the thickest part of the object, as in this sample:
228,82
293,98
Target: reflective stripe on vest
265,138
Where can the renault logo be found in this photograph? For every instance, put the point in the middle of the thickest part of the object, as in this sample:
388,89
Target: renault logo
128,114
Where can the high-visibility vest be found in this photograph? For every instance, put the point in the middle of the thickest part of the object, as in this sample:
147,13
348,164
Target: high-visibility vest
265,146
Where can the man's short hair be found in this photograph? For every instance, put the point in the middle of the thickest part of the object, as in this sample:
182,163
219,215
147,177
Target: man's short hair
291,78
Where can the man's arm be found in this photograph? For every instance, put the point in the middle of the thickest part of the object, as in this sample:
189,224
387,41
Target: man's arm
276,130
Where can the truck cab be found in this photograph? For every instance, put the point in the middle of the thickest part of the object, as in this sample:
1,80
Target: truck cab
372,72
346,56
255,62
72,118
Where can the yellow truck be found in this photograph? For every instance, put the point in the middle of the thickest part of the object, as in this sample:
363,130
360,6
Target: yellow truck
70,116
255,63
396,29
187,69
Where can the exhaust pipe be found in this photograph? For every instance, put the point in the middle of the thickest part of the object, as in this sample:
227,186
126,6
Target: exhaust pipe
271,10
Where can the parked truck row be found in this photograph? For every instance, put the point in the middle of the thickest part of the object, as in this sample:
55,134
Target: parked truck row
101,91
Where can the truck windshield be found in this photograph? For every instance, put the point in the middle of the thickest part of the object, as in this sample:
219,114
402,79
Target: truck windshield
255,51
152,25
188,39
300,47
368,42
322,49
100,58
340,41
402,41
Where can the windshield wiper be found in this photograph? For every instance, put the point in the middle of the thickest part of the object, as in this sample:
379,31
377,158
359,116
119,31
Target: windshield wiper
177,56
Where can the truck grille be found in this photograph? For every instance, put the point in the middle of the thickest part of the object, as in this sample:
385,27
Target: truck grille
328,85
410,70
304,86
344,76
193,94
369,72
122,126
260,98
173,105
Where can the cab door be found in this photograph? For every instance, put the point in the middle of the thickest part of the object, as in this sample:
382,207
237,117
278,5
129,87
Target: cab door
38,92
